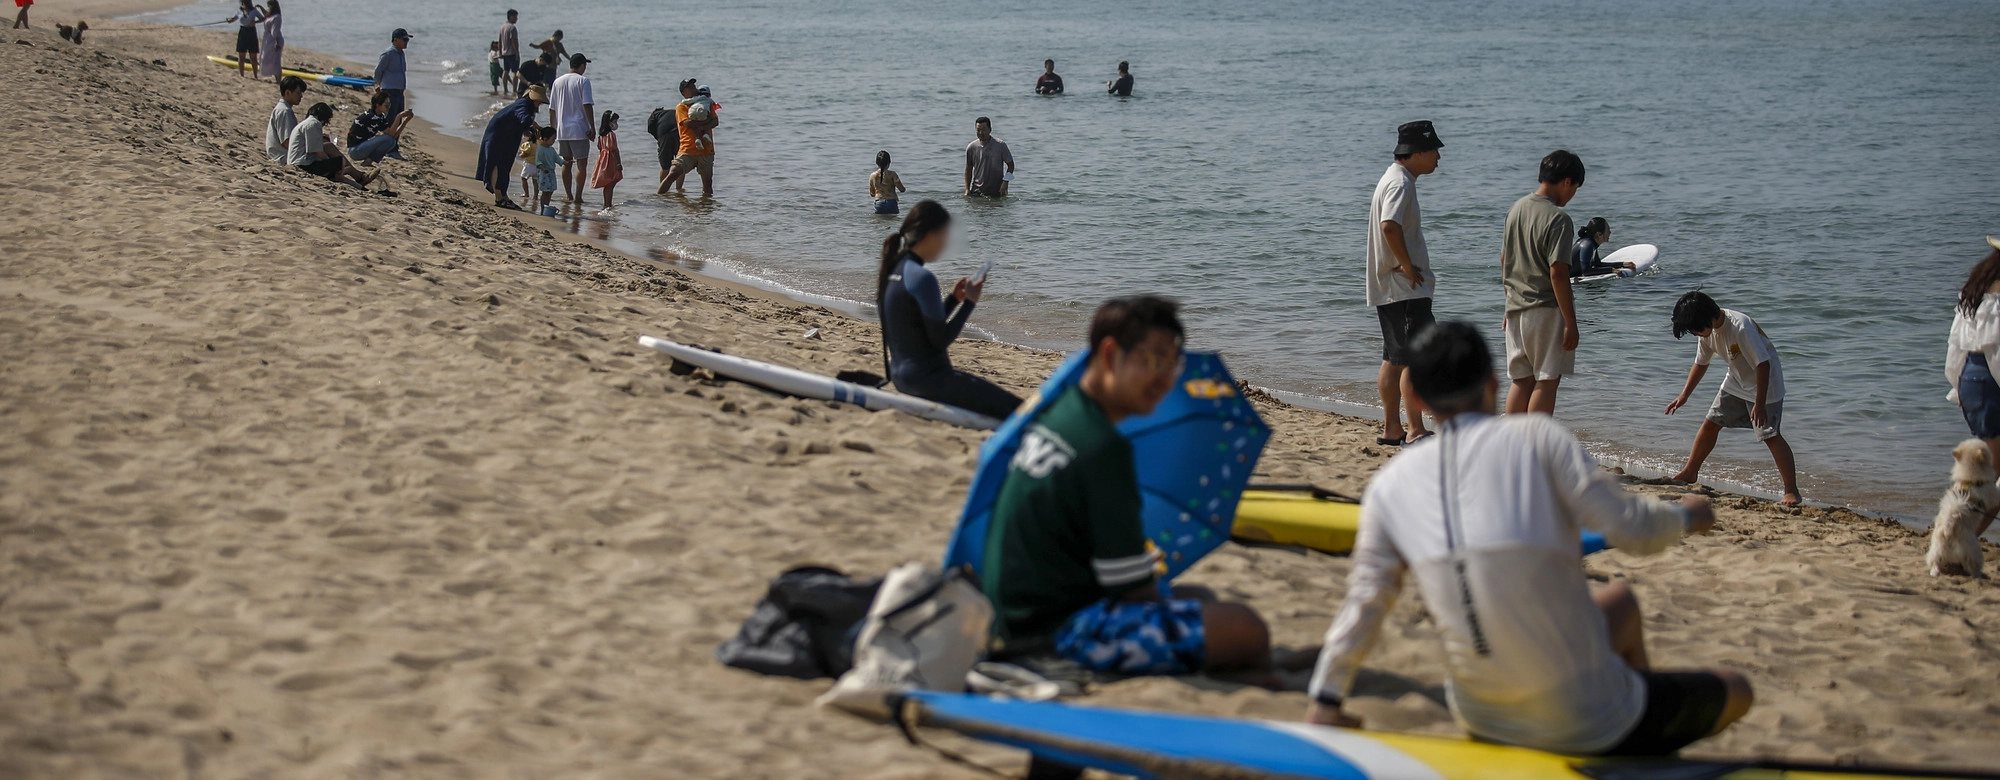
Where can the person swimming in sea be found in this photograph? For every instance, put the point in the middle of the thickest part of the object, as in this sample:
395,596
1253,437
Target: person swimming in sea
1589,238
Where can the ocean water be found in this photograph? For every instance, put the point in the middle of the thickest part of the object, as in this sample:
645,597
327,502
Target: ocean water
1827,167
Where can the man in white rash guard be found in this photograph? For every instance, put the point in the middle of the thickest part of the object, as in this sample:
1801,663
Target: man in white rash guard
1488,514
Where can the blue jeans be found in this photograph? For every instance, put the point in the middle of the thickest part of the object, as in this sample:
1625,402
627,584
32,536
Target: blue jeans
374,149
885,206
1979,397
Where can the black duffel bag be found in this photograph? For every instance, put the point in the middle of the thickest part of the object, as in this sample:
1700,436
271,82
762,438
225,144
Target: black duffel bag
805,627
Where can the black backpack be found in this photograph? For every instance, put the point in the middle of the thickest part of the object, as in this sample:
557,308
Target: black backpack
804,627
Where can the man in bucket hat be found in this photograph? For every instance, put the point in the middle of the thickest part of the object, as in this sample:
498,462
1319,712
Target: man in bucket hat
1400,282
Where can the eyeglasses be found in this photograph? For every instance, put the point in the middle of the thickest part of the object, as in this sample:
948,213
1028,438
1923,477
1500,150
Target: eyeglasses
1161,364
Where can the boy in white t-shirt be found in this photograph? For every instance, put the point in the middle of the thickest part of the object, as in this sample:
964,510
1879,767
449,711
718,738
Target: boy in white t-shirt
1752,395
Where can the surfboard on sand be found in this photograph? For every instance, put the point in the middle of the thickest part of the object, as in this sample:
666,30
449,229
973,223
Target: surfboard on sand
331,79
792,381
1641,255
1317,519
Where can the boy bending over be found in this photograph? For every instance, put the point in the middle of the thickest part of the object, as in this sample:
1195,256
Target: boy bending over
1752,395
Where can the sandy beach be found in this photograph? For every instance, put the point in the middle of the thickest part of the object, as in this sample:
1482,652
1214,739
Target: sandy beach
302,481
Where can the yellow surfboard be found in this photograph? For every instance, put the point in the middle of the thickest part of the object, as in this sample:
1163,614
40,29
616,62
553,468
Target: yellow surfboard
1301,515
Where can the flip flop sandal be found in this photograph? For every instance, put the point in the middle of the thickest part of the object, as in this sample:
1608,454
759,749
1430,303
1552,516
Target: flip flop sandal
507,204
1421,438
1387,442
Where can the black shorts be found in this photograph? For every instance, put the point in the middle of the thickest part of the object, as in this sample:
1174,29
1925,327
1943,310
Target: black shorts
327,168
1681,708
246,40
510,63
1401,322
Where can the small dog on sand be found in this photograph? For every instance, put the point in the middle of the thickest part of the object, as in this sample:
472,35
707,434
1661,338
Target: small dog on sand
1964,512
73,34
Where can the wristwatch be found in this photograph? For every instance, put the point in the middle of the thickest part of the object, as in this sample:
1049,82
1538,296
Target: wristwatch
1328,699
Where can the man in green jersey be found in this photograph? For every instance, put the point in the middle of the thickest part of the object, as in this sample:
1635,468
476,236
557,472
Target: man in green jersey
1066,556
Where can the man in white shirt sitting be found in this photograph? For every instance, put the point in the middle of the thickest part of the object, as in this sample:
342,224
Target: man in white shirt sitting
1487,515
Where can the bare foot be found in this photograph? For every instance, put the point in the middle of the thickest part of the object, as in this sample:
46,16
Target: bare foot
1685,478
1790,499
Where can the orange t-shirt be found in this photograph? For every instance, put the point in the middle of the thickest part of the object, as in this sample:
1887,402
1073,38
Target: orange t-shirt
689,140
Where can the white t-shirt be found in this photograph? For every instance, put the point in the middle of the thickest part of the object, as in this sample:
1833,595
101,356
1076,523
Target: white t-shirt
278,131
567,97
1742,343
307,140
1488,515
1396,201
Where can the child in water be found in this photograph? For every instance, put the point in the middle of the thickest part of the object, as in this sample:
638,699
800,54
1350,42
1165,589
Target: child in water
883,184
610,167
547,162
1589,238
530,181
1752,395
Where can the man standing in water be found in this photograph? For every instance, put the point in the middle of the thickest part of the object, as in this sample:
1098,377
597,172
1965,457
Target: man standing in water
989,166
1049,83
1400,281
1534,270
1121,86
510,53
574,113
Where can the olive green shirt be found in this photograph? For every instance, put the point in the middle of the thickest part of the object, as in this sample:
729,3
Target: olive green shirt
1538,236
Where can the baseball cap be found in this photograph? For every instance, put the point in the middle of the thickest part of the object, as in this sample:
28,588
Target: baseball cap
577,59
400,33
687,83
1417,137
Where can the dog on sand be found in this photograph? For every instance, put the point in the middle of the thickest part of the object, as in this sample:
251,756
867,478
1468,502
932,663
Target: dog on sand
73,34
1964,512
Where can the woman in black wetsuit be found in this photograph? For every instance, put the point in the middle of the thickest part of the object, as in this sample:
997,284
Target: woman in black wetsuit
918,324
1592,235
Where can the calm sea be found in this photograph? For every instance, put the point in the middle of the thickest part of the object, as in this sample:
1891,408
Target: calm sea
1827,167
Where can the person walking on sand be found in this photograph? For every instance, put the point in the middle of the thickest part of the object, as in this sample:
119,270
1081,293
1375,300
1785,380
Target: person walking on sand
247,47
1400,280
1121,85
1541,332
278,131
573,112
1486,515
392,73
501,141
1049,83
695,117
884,185
510,54
1974,349
1068,566
989,165
21,16
610,166
271,61
1752,395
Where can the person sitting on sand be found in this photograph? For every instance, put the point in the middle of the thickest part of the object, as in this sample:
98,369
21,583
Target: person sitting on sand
375,134
1752,394
278,132
503,136
884,185
309,151
1589,238
918,327
1488,514
1067,562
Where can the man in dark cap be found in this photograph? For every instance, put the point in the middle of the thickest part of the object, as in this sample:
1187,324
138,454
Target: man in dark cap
1400,282
391,75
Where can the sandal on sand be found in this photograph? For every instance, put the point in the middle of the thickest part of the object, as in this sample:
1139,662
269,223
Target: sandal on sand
1388,442
507,204
1421,437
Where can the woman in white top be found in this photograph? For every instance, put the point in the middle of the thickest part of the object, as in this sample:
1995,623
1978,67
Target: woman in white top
246,19
271,63
1975,344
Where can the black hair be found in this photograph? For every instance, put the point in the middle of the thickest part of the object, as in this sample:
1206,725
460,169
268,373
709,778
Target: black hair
983,121
604,122
1595,226
1694,311
291,84
1048,62
547,133
273,6
1450,366
1128,321
1123,66
1561,165
1402,157
381,96
321,112
924,218
558,34
511,13
882,159
1982,278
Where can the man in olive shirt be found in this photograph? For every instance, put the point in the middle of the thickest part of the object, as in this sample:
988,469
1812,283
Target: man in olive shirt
1066,554
1534,270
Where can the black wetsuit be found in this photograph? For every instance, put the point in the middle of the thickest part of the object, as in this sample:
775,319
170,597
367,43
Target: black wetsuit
1584,261
1123,86
917,331
1049,84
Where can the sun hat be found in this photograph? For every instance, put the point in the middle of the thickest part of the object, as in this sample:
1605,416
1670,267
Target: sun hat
1417,137
537,94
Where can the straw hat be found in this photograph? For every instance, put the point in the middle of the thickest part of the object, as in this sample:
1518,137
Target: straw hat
537,94
1993,242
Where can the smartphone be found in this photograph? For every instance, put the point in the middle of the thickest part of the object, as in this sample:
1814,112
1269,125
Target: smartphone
980,278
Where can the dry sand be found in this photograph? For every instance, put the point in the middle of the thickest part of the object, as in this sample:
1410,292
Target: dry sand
299,481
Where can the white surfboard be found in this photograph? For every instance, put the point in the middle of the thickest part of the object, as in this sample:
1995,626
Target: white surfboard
1641,255
792,381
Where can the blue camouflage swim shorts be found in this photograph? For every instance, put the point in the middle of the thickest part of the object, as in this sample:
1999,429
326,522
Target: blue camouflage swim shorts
1136,637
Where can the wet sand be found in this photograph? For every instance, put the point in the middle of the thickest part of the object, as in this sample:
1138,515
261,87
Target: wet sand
301,481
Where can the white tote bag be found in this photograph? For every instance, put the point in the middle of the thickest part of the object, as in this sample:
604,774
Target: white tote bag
924,630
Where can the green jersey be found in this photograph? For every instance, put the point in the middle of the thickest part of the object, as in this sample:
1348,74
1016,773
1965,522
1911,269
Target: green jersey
1065,531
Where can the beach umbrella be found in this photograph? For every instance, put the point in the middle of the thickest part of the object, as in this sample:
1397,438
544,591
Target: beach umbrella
1194,454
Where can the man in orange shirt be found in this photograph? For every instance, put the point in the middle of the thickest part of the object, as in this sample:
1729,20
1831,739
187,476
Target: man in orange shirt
697,152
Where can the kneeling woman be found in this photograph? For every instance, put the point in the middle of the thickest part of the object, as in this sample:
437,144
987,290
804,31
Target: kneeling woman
917,324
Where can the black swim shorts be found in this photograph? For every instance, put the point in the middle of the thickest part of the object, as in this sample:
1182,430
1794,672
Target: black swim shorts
1681,708
1401,322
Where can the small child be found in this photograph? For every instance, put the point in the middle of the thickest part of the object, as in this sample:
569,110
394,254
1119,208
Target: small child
530,180
493,68
547,162
883,184
702,108
610,167
1752,395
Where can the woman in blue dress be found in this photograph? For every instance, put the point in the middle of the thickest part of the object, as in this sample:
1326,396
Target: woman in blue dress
502,141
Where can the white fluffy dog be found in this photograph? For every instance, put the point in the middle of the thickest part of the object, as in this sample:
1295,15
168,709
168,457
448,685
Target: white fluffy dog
1964,512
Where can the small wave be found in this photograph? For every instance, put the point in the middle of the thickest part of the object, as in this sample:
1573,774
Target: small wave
456,76
448,64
